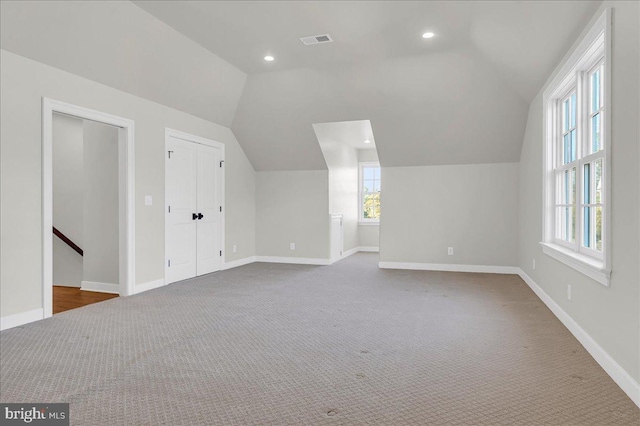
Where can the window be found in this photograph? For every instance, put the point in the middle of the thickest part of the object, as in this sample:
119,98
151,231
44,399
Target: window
577,169
369,193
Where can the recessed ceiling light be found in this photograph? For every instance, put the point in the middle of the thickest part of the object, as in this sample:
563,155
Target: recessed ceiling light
367,141
428,35
269,58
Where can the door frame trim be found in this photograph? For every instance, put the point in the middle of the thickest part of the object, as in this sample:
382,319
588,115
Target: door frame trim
126,193
203,141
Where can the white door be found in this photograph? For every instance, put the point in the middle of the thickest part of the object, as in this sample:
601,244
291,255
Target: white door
193,211
209,210
181,205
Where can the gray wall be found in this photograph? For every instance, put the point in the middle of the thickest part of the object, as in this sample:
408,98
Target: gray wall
610,315
369,235
68,198
24,82
291,207
468,207
101,203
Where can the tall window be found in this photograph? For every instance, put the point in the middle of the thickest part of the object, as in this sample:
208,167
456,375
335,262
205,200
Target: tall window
576,166
370,180
580,162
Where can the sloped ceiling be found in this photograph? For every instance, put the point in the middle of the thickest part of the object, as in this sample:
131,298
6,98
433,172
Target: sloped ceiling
340,142
120,45
525,40
351,133
443,108
461,97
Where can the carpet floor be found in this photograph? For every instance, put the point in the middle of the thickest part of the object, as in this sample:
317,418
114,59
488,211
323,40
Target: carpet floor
329,345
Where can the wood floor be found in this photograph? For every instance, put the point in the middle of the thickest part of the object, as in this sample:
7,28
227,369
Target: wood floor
65,298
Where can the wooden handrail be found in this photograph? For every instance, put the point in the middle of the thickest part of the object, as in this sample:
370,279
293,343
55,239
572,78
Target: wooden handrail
67,241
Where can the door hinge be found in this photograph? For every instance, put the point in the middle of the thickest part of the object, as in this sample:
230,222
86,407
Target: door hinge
220,252
220,209
169,209
170,154
169,263
221,162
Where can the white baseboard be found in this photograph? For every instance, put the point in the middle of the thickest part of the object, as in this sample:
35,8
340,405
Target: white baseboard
67,285
354,251
100,287
350,252
450,267
293,260
239,262
150,285
22,318
613,369
372,249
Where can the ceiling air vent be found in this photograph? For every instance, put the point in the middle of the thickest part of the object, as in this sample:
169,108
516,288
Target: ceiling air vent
323,38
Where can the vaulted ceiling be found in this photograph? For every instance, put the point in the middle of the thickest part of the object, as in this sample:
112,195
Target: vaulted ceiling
460,97
523,39
118,44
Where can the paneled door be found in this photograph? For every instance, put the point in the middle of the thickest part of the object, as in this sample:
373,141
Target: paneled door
193,235
181,200
208,236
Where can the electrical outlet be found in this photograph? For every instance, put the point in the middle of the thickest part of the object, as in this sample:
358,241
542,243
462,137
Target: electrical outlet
235,248
148,200
450,251
534,264
292,246
568,291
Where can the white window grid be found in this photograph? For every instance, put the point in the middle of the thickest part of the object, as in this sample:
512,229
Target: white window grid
572,172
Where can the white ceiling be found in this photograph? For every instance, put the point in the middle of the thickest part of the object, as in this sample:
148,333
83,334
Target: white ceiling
244,32
351,133
445,108
120,45
461,97
523,38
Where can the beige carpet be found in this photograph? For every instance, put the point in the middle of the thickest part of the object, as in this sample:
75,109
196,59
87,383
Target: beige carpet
289,344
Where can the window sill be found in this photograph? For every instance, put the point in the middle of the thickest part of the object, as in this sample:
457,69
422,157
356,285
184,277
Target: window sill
377,223
593,268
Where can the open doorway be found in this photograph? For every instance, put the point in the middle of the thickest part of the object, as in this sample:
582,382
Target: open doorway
349,150
87,206
85,212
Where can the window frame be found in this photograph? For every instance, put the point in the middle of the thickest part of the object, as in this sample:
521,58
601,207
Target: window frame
559,168
591,52
591,158
361,219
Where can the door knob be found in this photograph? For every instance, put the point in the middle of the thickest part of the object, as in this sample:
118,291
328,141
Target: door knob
200,216
194,216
